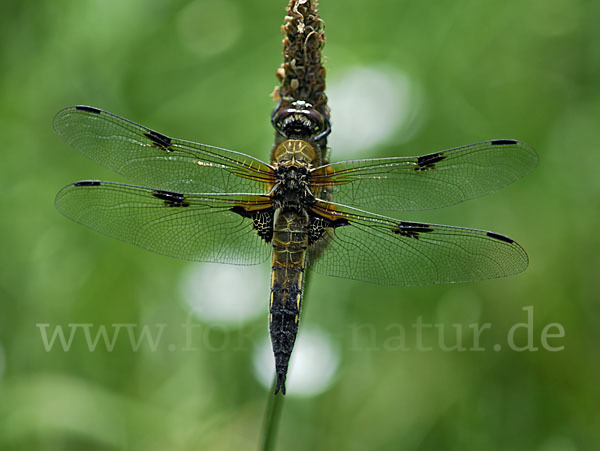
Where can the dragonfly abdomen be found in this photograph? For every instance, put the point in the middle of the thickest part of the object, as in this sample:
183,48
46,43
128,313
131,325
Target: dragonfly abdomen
290,241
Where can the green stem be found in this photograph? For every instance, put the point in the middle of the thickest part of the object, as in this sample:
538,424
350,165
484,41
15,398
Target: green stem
272,416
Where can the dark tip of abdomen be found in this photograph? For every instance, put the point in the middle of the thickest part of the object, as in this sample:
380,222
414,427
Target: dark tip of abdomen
280,385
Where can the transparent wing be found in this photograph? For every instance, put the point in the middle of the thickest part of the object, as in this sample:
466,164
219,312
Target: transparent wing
386,251
146,157
186,226
430,181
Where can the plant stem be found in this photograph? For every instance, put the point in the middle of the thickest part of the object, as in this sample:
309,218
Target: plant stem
272,415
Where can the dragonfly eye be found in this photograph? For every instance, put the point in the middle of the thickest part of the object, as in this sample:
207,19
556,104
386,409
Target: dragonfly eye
300,120
315,117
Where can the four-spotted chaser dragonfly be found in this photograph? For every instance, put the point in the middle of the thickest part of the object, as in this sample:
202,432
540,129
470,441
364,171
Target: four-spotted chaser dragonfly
198,202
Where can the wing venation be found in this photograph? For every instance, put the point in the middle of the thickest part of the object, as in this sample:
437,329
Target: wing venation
430,181
386,251
147,157
199,227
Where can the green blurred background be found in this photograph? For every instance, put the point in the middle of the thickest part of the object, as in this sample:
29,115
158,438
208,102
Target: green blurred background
202,70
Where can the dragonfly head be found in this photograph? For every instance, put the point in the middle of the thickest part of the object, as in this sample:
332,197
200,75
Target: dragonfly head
300,120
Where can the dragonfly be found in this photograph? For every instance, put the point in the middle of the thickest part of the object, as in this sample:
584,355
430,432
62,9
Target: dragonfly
198,202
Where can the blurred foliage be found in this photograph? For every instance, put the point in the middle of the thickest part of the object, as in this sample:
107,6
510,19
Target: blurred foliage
203,70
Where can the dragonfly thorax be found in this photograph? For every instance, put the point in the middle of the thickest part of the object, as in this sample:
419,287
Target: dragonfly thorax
291,189
292,160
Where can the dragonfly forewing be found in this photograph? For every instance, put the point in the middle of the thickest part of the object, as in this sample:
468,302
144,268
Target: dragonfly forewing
146,157
430,181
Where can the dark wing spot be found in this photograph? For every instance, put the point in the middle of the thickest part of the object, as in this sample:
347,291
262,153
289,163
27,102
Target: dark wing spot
497,236
416,226
240,211
412,229
262,220
504,142
159,139
170,198
426,162
87,183
263,224
318,224
89,109
316,228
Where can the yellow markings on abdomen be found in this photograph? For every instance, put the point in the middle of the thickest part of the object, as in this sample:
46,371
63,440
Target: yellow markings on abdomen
290,241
